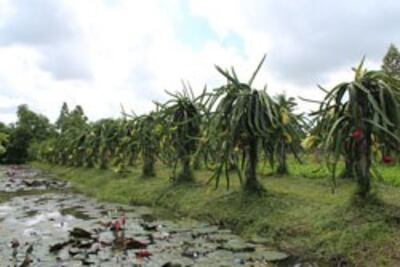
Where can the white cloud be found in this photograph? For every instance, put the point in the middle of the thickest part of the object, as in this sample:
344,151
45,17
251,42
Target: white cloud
103,53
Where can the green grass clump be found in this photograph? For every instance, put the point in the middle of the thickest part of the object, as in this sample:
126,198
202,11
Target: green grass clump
296,214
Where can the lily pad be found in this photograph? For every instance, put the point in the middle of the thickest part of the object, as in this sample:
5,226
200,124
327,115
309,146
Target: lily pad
238,245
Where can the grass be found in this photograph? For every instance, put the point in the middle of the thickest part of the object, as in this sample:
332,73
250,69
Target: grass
298,214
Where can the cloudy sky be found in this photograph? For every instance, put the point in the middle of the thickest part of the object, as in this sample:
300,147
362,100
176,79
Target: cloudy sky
103,53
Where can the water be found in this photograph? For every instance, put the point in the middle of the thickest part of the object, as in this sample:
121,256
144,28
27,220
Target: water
51,226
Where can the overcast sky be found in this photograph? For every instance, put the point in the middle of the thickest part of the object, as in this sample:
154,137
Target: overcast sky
103,53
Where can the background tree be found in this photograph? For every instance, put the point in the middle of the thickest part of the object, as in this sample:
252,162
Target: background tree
4,135
62,118
76,118
30,128
36,126
391,61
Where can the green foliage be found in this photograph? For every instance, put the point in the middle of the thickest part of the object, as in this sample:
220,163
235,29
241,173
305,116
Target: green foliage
182,117
36,126
147,134
3,142
288,133
30,128
391,61
68,146
107,143
74,119
357,118
61,122
4,137
243,118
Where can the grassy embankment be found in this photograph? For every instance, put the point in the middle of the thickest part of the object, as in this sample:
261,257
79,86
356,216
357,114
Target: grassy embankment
299,213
